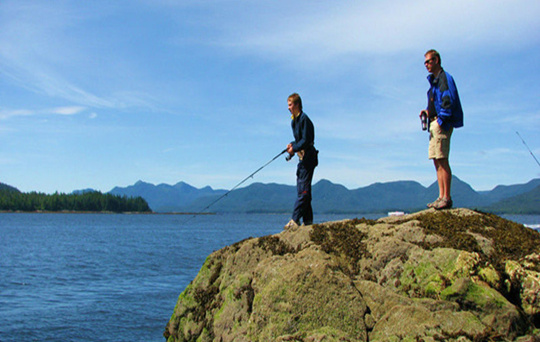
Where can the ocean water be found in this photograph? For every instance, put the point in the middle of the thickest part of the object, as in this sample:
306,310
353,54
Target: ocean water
98,277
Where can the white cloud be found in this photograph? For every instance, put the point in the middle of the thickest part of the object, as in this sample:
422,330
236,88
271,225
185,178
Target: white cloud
68,110
383,27
41,51
4,114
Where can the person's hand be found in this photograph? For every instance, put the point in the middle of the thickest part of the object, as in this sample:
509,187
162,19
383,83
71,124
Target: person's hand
290,149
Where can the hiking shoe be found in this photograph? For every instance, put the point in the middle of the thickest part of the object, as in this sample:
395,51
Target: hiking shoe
292,224
444,203
434,203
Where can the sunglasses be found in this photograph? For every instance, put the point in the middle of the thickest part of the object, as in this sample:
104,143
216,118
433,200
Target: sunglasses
428,61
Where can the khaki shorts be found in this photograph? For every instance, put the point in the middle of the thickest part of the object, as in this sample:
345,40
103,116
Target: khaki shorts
439,141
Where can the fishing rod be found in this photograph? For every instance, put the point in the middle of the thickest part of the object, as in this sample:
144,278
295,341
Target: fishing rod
524,143
242,182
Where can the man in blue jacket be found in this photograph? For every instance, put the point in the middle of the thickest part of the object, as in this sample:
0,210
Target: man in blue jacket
445,113
303,146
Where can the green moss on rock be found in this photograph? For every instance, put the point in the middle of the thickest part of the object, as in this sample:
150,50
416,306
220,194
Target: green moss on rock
274,245
455,275
510,240
343,240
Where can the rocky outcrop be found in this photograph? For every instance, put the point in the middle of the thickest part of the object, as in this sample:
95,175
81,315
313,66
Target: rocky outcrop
455,275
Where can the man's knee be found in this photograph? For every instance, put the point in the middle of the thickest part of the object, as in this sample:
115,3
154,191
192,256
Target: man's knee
304,195
441,162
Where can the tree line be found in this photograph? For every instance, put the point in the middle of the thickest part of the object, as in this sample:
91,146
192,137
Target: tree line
94,201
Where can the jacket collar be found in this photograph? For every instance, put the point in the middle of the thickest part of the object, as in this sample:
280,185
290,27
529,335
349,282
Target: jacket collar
296,117
434,80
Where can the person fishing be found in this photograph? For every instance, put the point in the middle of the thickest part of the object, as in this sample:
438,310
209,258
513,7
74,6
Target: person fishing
304,146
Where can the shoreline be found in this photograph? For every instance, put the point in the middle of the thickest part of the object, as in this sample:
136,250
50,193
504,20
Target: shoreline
383,213
97,212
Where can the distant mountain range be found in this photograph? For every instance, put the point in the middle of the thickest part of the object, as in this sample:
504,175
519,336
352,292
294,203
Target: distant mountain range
329,197
167,198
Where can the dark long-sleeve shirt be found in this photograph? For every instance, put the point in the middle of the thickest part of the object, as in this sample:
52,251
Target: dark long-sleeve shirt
303,131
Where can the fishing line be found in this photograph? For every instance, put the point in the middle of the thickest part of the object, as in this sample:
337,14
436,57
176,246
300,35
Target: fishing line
236,186
524,143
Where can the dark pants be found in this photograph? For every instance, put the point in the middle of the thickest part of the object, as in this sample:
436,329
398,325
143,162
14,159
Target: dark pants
304,176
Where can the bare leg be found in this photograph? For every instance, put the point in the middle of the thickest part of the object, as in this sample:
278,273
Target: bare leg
444,179
437,164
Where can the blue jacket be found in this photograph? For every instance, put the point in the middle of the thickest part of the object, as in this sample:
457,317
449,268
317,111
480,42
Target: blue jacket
446,101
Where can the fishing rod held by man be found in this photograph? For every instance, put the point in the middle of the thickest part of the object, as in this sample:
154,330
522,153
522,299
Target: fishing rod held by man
289,156
237,185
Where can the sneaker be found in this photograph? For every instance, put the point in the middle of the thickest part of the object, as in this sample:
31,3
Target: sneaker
434,203
444,203
290,225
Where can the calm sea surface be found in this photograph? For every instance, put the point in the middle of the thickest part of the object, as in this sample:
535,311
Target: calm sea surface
93,277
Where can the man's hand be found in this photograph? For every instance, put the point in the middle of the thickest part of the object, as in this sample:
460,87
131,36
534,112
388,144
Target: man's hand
290,149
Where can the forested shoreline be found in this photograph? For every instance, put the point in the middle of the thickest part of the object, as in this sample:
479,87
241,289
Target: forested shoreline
95,201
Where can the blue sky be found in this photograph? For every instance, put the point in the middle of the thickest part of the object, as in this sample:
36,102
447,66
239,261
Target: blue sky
97,94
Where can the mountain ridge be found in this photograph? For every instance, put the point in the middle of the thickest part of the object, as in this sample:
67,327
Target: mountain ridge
165,197
328,197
